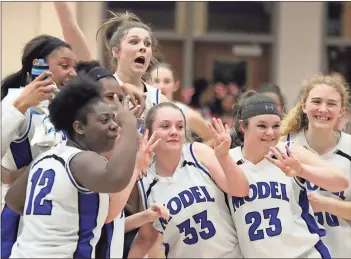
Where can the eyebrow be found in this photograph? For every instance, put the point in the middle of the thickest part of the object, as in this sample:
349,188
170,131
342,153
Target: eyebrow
68,58
318,98
170,121
264,122
137,36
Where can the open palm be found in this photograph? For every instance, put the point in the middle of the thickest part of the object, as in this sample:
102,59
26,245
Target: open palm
146,150
221,136
287,163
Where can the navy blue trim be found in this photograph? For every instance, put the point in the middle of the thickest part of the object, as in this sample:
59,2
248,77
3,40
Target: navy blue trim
197,163
9,228
143,193
323,250
88,209
308,217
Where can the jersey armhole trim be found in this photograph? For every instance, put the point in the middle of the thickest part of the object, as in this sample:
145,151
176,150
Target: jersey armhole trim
157,96
143,193
29,124
71,178
197,163
299,183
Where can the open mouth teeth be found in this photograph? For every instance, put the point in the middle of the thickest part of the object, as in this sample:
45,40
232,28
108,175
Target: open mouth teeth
322,118
140,60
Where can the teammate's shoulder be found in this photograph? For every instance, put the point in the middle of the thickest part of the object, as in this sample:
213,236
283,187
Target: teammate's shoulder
236,153
345,143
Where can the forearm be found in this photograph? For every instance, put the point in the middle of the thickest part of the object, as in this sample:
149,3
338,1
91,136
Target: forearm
328,178
72,32
16,195
141,245
119,200
338,208
135,221
9,177
237,183
123,157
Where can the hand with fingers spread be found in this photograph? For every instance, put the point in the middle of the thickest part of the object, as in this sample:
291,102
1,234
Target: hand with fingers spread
123,113
137,97
146,151
221,136
287,163
40,89
157,211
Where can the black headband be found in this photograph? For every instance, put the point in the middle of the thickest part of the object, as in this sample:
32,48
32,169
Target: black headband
259,109
97,73
50,46
41,52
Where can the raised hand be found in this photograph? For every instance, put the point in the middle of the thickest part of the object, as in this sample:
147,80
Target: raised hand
41,88
146,151
157,211
287,163
221,136
137,97
122,110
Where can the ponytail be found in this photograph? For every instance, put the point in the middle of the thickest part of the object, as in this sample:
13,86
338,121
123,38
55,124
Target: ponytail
15,80
114,29
237,135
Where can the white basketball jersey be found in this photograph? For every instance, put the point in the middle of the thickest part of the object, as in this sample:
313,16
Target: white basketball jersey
21,152
275,219
338,237
61,219
200,224
117,242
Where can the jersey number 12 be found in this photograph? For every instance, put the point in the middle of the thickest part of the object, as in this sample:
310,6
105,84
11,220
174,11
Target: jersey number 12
37,204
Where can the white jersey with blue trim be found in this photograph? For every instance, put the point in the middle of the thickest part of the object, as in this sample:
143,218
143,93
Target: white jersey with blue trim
275,219
117,238
338,237
21,152
61,219
117,243
200,224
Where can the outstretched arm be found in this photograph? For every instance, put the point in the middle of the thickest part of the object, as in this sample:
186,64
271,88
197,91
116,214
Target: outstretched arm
72,32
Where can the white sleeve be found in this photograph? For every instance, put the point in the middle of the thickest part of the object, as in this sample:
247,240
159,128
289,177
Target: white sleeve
14,123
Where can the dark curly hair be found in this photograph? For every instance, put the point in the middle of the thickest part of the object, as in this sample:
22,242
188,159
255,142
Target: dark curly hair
86,66
74,102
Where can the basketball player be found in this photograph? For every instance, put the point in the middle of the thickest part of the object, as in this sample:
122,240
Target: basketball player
275,219
312,123
63,196
163,76
22,120
131,56
188,180
111,242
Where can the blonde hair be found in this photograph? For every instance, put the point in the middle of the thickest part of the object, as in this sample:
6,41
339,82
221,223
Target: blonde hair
114,29
296,119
